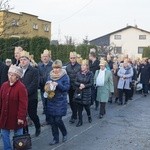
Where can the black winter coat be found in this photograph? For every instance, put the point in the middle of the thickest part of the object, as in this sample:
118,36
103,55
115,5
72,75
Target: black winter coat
87,80
144,71
30,80
72,71
94,66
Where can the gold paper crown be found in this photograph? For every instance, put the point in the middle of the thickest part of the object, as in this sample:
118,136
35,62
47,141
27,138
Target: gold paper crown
78,56
73,54
103,63
47,52
24,54
85,62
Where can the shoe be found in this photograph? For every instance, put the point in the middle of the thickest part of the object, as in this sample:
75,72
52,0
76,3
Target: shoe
145,95
125,103
89,119
53,142
100,116
64,139
120,103
116,99
38,132
72,120
79,124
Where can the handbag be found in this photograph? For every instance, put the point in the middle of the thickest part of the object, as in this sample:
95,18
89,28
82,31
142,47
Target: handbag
22,142
78,95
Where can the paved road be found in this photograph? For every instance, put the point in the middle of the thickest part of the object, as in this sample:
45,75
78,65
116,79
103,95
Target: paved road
124,127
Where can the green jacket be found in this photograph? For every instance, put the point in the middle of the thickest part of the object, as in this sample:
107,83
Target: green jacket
103,92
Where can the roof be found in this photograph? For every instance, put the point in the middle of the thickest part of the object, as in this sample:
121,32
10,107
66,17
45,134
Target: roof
128,27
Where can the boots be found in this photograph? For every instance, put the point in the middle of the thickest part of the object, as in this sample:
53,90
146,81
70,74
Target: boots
79,123
89,119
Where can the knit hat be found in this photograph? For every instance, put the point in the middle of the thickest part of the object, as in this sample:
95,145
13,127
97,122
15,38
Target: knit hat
15,69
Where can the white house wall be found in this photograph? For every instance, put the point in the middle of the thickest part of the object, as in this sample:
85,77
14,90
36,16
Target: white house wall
130,41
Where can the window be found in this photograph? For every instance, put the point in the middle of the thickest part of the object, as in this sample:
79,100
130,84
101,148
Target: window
140,50
118,50
46,28
117,37
35,26
142,37
15,22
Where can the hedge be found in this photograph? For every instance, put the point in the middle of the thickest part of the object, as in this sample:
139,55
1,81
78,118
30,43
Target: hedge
36,45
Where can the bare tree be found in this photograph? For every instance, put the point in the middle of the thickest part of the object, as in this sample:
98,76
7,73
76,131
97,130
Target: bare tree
10,25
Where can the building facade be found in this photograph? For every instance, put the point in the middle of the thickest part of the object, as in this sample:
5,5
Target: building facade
23,25
129,40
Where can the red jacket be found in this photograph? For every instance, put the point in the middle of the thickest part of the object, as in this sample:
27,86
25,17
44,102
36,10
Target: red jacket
13,105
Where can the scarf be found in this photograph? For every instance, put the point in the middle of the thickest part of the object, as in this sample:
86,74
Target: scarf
101,78
55,77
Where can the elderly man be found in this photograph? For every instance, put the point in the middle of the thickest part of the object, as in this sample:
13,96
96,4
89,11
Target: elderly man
30,80
44,67
72,69
17,52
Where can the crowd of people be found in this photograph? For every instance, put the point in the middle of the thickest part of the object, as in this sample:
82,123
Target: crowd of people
86,82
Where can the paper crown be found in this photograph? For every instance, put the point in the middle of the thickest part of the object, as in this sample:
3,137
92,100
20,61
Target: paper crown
103,63
46,52
78,56
24,54
15,69
85,62
73,54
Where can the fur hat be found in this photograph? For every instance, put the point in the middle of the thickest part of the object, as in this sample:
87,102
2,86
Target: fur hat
15,69
57,64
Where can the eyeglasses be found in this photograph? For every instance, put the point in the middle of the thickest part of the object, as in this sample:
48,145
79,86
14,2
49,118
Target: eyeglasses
72,57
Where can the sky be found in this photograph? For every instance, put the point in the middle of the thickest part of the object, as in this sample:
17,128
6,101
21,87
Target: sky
86,18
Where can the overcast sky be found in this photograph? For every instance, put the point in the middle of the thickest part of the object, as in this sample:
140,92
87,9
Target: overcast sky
92,18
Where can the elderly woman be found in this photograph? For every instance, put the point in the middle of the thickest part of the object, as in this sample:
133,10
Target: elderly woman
83,83
13,106
125,74
56,90
104,83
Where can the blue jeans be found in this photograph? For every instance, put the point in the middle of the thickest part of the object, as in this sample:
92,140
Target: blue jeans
6,137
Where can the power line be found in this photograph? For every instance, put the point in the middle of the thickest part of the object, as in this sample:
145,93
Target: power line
75,12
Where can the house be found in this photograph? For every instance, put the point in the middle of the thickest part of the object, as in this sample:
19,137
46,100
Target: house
129,40
23,25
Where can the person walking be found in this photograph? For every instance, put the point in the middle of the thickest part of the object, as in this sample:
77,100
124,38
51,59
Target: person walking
125,74
30,79
44,69
56,89
84,82
72,69
93,66
104,82
13,106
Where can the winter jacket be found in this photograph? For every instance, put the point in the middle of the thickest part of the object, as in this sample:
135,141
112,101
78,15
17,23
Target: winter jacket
13,105
87,80
72,71
125,83
57,106
103,92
